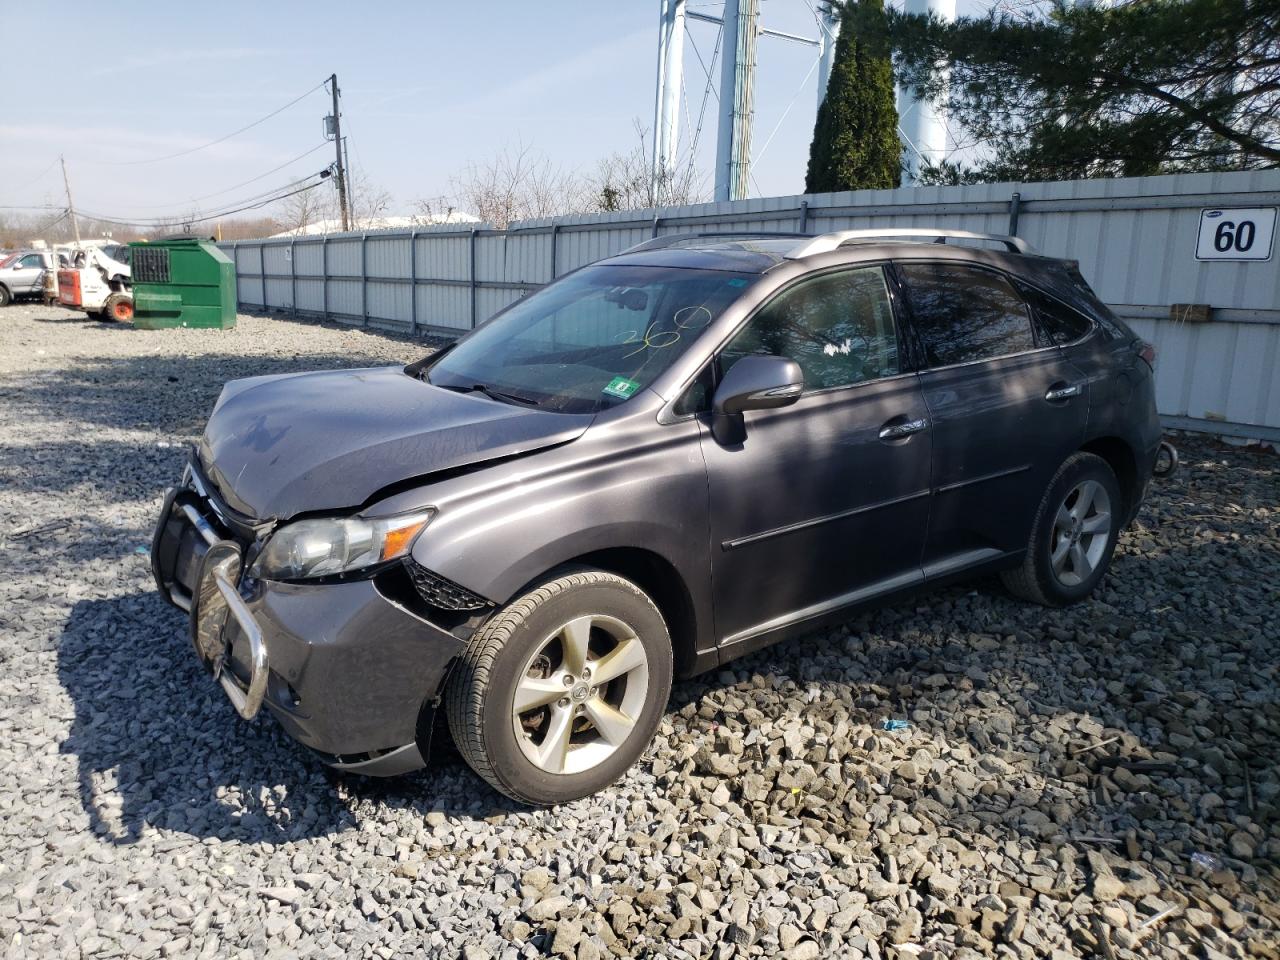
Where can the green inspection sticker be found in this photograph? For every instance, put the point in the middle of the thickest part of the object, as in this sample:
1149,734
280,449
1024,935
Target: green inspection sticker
621,387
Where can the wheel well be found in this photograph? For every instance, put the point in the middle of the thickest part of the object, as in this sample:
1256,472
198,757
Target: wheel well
1119,456
662,582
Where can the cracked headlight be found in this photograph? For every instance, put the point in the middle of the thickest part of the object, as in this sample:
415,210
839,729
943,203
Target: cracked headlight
328,546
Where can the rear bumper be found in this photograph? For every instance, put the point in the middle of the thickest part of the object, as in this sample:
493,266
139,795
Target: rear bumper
345,670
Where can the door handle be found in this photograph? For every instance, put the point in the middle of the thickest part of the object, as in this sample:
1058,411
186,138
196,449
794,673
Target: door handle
903,428
1062,391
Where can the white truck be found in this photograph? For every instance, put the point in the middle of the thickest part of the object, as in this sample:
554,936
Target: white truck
99,281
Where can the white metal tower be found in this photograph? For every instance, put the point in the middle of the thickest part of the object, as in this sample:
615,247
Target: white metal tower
923,125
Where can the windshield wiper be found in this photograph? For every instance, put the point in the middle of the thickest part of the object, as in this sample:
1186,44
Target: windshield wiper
489,391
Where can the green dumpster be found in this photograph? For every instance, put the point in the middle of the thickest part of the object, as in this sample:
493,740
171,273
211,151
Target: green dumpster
182,282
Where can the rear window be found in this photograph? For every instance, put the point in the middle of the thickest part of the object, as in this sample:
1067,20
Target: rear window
965,314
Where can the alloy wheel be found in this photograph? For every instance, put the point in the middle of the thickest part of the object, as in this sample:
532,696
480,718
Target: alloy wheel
580,694
1081,530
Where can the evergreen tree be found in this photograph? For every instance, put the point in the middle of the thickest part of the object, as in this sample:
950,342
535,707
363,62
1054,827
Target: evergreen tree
855,140
1134,88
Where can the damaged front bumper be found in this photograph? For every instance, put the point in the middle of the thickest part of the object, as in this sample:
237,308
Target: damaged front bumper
347,671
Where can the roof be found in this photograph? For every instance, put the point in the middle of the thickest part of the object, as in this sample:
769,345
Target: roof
758,252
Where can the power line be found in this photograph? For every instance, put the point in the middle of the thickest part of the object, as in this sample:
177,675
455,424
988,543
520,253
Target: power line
248,203
52,163
245,183
203,146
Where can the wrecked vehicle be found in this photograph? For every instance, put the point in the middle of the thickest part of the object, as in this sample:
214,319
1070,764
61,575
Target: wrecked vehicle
655,464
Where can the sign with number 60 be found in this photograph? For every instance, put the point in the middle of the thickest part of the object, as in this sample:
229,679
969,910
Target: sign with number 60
1240,233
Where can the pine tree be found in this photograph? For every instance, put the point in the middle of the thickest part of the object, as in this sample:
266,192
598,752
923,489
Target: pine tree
855,140
1131,88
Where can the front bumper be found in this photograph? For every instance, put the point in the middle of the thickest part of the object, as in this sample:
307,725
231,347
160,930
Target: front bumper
347,671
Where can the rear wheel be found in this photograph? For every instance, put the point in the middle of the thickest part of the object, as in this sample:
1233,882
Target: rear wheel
118,308
1073,536
561,692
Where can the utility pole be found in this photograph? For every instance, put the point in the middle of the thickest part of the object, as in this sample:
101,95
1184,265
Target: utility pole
71,207
337,143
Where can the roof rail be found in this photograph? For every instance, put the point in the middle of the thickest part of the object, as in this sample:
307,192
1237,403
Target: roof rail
667,240
831,241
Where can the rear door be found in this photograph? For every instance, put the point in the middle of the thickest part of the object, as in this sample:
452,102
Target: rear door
826,501
1006,409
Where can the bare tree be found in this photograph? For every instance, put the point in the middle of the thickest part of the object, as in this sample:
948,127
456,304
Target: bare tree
519,184
368,200
624,181
301,210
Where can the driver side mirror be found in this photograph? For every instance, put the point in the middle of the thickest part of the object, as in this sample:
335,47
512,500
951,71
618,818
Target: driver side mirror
753,383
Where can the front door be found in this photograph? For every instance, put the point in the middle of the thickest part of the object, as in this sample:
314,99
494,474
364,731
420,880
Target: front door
1006,410
28,274
826,501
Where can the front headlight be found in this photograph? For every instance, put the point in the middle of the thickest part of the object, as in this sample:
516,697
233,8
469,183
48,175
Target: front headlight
332,545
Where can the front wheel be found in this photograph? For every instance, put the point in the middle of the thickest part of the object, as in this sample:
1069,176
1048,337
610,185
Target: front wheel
1074,534
561,692
5,297
118,308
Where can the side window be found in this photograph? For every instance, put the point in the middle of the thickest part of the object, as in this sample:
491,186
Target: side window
1060,322
838,327
31,260
965,314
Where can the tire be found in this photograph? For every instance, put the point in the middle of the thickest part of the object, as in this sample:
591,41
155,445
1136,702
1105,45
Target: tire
119,308
6,297
1070,549
529,645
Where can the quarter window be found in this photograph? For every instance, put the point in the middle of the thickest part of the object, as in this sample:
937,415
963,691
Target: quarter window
837,327
964,314
1060,322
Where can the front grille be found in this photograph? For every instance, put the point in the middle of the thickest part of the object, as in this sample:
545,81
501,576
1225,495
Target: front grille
441,593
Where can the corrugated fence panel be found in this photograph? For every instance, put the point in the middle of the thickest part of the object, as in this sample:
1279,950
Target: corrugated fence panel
1135,240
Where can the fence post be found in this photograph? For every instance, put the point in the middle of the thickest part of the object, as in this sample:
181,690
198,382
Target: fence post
472,277
262,272
555,232
804,216
235,255
413,283
1015,202
293,277
654,231
364,280
324,269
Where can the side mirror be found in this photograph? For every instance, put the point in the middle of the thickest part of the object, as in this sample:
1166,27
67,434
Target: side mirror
753,383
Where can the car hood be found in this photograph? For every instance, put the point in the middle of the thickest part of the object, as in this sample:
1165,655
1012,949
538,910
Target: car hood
281,445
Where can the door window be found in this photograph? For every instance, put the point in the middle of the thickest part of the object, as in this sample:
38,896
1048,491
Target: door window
31,260
838,327
965,314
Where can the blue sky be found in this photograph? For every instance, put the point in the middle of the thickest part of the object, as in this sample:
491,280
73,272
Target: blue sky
427,88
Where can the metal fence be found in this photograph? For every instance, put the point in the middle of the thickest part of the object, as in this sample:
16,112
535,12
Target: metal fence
1135,239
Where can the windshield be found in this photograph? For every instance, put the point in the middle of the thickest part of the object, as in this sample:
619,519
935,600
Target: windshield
591,340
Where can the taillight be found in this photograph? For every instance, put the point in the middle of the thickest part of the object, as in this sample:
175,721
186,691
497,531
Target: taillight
1147,351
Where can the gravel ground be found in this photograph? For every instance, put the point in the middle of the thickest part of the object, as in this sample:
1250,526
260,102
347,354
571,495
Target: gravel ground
1101,781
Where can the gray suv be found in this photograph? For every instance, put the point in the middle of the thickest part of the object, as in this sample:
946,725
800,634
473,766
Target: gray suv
649,467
